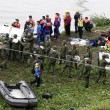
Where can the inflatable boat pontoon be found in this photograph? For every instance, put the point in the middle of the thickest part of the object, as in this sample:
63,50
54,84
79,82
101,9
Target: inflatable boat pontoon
19,95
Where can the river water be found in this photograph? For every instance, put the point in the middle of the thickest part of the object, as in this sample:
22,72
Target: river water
12,9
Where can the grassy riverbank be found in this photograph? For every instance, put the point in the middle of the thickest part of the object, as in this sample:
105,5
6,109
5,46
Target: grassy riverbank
66,91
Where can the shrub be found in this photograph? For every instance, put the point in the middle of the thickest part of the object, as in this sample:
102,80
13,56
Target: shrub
100,20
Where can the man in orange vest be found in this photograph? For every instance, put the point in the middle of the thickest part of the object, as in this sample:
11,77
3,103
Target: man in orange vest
16,23
87,24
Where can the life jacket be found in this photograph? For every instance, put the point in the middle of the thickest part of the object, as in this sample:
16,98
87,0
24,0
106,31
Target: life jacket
86,21
42,22
80,23
15,24
108,42
49,19
32,21
48,26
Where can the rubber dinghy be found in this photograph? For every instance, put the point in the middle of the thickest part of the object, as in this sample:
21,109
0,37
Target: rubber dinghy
18,95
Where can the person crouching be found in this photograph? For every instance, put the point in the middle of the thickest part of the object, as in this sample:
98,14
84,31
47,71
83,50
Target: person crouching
37,74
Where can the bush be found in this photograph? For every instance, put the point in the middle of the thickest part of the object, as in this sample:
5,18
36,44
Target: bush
100,20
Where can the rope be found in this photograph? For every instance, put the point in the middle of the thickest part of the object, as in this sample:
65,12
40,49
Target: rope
81,61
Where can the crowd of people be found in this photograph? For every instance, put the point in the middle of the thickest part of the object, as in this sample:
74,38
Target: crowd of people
45,25
68,56
41,50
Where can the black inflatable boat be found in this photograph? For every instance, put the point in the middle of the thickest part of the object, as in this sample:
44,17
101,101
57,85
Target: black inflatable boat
18,95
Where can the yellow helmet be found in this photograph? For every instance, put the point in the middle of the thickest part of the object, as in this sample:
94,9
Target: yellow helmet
66,11
77,11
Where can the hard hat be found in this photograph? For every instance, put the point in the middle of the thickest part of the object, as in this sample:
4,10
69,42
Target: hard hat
77,11
66,11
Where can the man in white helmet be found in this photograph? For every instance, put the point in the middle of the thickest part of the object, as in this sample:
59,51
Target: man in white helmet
37,73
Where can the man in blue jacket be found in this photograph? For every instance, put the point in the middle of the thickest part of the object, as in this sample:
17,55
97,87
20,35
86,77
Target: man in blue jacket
38,32
37,73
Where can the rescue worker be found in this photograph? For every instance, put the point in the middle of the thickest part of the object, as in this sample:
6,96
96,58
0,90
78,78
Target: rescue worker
52,61
27,23
4,48
75,53
30,39
107,41
80,26
16,24
102,70
88,53
68,64
76,17
15,47
56,27
47,29
37,73
23,39
87,56
43,19
31,28
25,33
58,15
38,32
31,21
64,16
42,22
48,19
48,45
26,57
41,51
67,23
59,19
87,24
86,73
63,51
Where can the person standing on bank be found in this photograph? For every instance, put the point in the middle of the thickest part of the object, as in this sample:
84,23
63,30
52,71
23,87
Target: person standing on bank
37,73
80,27
38,32
86,73
76,17
102,70
67,22
16,24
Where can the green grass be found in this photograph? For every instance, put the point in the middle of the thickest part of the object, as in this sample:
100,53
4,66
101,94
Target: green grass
66,91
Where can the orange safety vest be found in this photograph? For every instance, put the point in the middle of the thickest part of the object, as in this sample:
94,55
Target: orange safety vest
47,27
86,20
